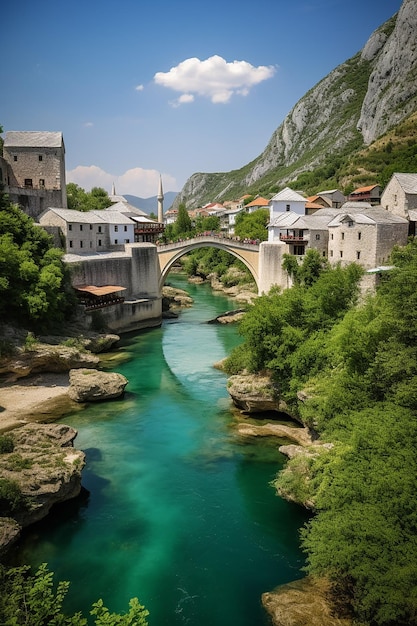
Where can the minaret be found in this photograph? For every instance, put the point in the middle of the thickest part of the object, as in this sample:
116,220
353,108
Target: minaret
113,190
160,202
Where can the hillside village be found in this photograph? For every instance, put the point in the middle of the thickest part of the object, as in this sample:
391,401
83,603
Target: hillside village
361,228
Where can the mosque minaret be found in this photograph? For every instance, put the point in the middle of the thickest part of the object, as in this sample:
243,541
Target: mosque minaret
160,202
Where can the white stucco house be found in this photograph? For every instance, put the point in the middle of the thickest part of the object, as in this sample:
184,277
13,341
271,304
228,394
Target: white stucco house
286,201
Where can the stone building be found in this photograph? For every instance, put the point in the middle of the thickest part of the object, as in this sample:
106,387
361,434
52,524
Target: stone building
32,170
365,235
400,198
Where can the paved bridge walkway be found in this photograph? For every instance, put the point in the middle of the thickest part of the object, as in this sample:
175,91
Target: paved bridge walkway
247,252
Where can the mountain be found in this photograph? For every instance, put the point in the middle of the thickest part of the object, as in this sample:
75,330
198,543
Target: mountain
343,115
150,205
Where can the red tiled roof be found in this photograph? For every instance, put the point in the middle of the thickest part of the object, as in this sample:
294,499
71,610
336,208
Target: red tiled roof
363,189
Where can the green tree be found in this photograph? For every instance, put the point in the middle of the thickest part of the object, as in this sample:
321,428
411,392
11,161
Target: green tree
80,200
34,283
32,599
252,225
208,223
183,223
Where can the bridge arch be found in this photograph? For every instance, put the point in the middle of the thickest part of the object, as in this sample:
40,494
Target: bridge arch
248,253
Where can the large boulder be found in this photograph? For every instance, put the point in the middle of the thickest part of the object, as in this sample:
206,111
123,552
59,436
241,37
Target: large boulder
46,358
91,385
305,602
41,469
253,393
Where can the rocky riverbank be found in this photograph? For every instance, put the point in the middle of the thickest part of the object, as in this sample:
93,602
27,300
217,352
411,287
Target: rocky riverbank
39,467
41,382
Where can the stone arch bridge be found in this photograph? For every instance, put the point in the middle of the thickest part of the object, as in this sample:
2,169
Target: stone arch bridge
248,253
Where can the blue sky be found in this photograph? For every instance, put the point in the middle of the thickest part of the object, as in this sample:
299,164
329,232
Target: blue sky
172,87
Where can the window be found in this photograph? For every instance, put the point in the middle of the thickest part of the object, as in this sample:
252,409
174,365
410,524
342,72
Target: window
358,255
318,237
91,244
343,235
116,241
127,240
287,208
81,244
350,223
116,228
15,158
69,226
91,227
40,157
331,252
70,244
125,229
99,230
28,182
81,226
331,236
41,183
341,254
99,242
359,235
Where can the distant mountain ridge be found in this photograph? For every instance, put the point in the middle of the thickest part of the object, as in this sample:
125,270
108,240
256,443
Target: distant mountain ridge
150,205
345,112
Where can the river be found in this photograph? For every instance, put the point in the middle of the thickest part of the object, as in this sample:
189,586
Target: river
180,512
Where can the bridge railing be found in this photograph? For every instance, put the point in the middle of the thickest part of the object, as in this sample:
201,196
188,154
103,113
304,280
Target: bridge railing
234,242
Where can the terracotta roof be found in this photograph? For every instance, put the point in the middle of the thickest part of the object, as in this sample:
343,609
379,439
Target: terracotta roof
99,291
362,189
313,205
258,202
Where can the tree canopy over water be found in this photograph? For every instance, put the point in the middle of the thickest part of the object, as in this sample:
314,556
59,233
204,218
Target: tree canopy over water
357,366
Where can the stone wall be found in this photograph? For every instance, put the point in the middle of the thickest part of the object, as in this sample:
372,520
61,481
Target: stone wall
270,270
136,269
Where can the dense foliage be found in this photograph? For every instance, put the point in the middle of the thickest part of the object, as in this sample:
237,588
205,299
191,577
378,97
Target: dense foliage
34,283
81,200
252,225
32,599
357,366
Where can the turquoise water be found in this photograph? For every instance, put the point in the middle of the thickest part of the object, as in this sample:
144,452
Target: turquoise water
180,512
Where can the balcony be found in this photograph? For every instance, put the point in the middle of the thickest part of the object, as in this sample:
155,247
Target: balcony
293,238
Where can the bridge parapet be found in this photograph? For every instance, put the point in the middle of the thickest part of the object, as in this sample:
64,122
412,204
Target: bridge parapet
210,239
247,252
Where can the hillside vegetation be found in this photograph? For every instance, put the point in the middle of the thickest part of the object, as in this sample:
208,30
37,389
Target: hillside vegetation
356,366
355,127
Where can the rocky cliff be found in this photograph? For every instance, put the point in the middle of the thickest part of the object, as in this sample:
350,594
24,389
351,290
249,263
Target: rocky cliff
350,108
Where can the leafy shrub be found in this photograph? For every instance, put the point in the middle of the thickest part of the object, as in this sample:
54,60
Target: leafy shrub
6,444
10,496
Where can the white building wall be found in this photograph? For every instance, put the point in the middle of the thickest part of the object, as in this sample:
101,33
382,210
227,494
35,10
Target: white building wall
285,206
121,233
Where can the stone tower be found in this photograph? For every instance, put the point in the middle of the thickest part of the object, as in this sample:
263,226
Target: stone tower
160,202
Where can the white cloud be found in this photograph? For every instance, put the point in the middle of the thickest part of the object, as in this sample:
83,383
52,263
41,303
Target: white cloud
88,124
136,181
139,88
213,78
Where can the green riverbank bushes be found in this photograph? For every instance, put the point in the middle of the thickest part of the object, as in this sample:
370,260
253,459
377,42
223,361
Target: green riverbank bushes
33,599
356,364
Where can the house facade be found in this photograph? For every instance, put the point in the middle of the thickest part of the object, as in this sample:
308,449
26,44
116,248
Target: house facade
366,236
400,198
33,170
